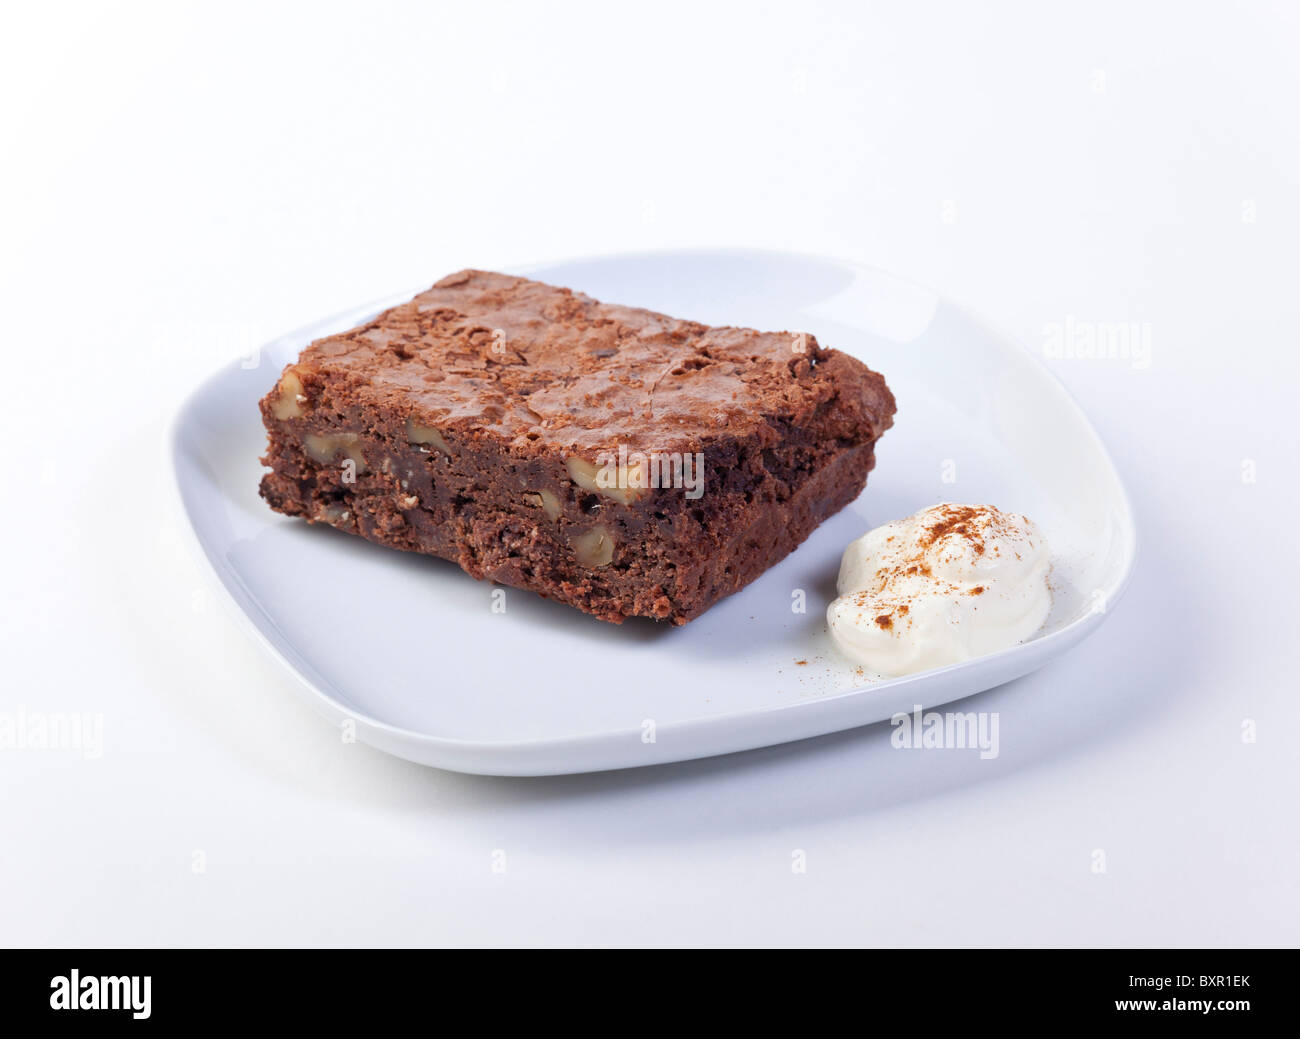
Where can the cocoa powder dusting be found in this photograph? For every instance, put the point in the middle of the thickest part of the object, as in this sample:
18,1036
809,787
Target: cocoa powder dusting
956,519
967,523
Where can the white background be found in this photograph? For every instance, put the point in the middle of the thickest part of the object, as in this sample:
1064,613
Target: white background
181,182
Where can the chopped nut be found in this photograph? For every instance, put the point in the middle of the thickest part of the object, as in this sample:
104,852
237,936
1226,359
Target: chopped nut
408,501
544,500
585,474
582,472
325,448
594,548
418,434
290,400
334,514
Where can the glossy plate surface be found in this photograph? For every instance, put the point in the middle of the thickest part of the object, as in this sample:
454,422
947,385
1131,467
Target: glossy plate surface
411,649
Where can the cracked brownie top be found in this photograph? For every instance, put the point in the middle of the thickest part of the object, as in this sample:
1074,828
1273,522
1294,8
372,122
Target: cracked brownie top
546,368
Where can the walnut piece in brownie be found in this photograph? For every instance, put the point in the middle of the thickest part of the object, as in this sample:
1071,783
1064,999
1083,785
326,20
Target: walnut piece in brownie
621,461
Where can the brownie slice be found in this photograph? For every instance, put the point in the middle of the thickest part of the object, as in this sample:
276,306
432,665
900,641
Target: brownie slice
618,460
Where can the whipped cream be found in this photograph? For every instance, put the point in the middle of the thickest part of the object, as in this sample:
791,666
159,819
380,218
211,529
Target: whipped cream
947,584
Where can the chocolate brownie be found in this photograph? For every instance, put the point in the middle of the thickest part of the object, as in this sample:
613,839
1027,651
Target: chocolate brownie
618,460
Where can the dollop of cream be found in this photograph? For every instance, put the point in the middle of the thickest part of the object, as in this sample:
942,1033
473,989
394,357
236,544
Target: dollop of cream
951,583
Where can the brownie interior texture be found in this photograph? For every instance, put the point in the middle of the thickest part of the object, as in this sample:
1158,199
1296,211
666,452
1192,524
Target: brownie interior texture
479,423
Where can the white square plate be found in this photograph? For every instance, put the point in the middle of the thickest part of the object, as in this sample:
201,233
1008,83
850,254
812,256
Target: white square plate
410,649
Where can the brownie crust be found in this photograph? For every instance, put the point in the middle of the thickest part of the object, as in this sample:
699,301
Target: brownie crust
481,422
